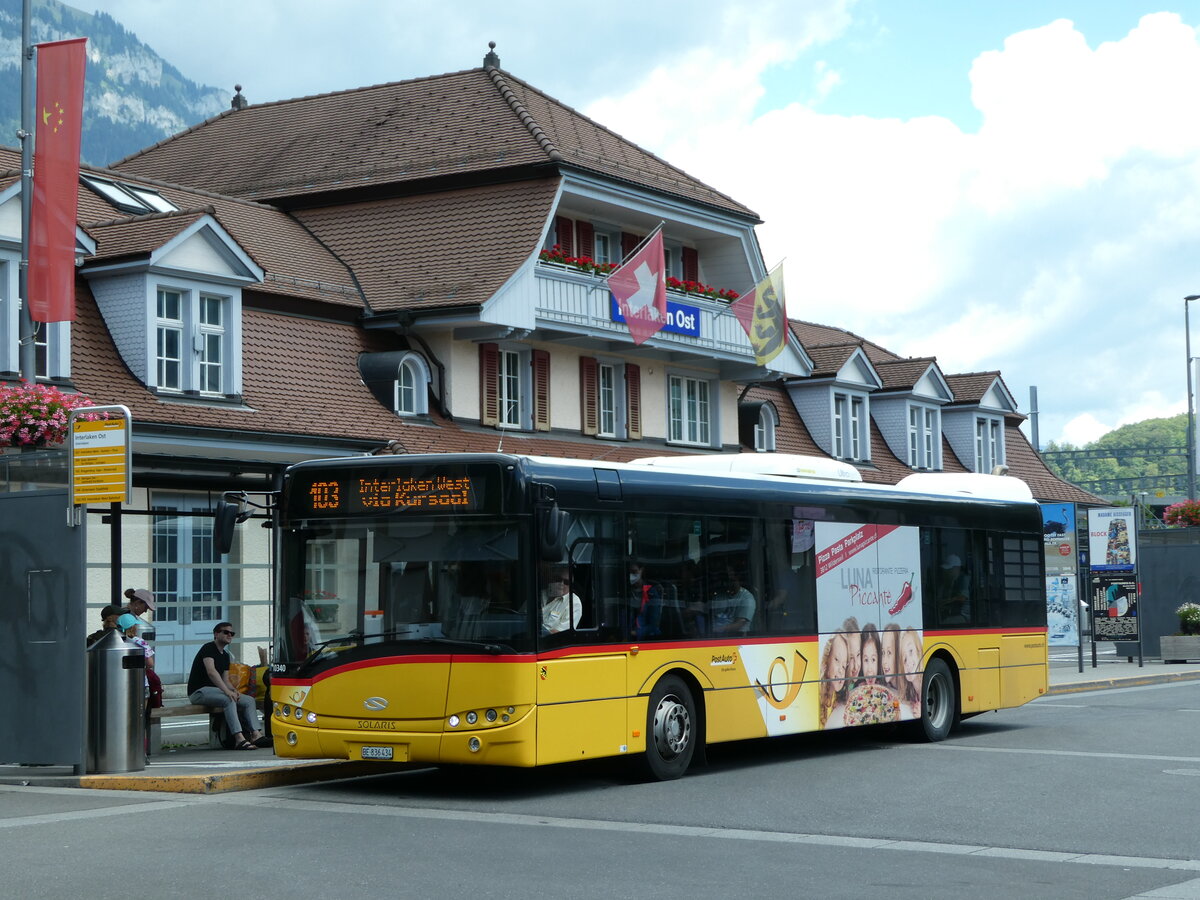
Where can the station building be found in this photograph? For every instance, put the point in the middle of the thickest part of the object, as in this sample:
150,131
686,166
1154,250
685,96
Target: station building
418,267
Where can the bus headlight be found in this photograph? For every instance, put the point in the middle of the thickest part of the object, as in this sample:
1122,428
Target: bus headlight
285,710
454,721
311,718
472,717
473,745
292,739
490,715
299,713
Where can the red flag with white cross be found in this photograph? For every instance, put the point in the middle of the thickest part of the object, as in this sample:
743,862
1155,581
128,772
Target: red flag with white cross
639,285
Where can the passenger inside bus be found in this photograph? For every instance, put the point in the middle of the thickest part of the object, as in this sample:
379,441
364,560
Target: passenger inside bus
732,606
646,601
561,609
954,592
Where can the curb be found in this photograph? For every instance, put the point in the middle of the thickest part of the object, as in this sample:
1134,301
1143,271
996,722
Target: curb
1123,681
222,782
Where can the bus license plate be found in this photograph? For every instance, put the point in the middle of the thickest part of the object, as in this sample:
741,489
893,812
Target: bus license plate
376,752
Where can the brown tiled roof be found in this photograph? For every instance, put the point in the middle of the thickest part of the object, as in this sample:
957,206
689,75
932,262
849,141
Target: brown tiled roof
811,334
460,124
885,467
899,374
828,359
295,262
445,249
969,387
138,236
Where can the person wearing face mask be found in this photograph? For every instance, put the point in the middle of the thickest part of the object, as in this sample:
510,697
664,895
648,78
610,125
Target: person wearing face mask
646,602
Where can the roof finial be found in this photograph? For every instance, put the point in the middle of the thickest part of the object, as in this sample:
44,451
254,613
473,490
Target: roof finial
491,61
239,102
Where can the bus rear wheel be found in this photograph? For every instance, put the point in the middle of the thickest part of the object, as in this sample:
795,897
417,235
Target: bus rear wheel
939,703
670,729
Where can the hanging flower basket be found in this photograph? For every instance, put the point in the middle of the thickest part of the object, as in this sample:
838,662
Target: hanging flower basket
35,415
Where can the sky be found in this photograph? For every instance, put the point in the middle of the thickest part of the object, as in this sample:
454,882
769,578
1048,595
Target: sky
1007,185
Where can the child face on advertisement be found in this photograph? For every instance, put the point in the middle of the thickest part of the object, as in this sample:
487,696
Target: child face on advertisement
854,648
870,660
888,662
910,655
837,662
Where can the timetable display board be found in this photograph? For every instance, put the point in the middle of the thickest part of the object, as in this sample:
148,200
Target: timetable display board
384,490
100,455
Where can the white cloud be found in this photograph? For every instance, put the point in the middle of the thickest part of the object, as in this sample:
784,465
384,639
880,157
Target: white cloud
1053,245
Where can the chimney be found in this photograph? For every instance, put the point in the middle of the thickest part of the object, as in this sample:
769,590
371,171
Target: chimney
491,61
238,102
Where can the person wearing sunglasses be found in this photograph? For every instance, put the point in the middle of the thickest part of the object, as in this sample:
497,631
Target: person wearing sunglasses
209,685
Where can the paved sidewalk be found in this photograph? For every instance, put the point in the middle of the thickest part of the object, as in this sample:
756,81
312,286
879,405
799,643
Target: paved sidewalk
200,770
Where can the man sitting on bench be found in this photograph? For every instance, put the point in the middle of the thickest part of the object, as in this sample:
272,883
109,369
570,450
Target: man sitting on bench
209,685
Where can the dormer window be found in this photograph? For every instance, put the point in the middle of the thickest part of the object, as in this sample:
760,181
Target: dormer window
849,426
989,443
922,437
764,429
192,342
412,386
128,197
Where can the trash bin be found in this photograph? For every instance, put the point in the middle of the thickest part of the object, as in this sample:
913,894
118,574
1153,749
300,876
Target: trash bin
116,705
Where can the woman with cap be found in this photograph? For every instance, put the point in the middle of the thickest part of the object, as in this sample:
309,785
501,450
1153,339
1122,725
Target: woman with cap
139,601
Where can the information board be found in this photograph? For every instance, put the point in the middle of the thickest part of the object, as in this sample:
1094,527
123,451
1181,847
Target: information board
100,455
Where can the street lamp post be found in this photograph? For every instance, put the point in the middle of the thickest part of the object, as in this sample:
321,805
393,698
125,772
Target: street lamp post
1191,422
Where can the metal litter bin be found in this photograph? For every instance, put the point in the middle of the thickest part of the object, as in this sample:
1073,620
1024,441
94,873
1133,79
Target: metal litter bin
116,705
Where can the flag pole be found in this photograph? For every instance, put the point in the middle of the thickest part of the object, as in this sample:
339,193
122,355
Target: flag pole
27,351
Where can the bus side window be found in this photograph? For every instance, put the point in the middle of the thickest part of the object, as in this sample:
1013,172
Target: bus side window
790,606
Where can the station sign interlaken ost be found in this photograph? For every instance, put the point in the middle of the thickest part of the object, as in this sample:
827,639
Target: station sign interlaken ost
100,458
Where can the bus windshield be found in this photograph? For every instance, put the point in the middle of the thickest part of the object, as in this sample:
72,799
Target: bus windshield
422,581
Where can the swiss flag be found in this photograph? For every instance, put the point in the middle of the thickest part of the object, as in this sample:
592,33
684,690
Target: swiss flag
51,281
639,285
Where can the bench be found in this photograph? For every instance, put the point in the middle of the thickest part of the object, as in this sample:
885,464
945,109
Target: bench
216,722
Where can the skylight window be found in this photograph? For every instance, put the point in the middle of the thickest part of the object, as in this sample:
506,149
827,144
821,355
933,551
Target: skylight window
127,197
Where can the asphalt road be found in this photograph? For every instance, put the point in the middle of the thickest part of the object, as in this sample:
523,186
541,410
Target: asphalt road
1089,795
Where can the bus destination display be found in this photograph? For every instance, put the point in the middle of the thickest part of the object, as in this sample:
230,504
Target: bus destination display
361,492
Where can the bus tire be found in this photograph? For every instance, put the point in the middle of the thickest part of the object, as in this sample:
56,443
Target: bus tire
670,729
939,702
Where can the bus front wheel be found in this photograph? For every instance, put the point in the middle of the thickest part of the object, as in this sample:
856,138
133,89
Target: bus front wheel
670,729
939,703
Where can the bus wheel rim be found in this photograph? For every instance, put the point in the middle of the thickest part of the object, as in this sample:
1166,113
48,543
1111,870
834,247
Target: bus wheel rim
936,698
672,727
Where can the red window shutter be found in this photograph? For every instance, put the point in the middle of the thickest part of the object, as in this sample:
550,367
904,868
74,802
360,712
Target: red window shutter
629,243
489,384
541,390
691,264
633,401
564,232
587,239
589,395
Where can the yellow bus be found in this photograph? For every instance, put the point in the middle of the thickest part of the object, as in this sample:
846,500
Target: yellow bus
508,610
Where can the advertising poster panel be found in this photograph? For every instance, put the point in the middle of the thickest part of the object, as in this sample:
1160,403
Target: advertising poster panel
1059,538
1114,608
869,615
1112,542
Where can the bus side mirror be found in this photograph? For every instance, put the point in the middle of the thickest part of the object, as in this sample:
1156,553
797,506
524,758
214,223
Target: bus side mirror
551,533
226,517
